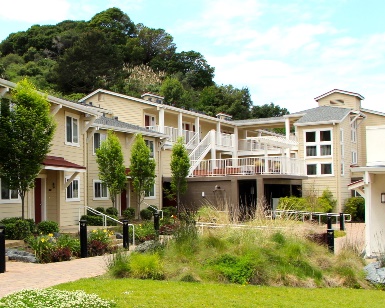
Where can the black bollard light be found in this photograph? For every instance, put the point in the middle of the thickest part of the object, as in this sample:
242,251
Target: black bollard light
2,249
342,222
329,222
156,223
330,239
83,238
126,244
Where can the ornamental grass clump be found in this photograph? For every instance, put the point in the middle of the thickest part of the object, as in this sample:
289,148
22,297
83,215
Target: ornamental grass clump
54,298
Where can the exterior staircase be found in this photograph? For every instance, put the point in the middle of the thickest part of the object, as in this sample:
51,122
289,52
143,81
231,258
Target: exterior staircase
200,151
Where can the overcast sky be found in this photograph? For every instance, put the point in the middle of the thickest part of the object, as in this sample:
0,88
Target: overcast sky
285,52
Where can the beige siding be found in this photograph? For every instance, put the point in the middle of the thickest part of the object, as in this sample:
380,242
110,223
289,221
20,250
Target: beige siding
349,101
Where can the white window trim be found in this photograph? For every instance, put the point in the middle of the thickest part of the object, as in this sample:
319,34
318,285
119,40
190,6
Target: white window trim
8,201
319,163
354,157
152,119
93,189
74,116
93,142
353,133
72,199
318,143
151,197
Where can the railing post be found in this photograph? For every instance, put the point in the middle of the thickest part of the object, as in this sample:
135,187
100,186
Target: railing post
330,235
125,235
83,238
342,222
2,249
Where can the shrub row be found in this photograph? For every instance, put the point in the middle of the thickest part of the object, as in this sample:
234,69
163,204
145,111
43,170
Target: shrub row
19,229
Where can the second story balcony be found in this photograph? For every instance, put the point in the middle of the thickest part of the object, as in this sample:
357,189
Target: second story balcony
269,165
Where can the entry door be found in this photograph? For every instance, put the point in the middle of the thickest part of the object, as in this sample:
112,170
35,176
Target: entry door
123,200
38,200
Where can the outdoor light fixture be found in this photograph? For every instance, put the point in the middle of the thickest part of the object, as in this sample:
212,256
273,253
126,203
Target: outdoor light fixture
382,197
203,194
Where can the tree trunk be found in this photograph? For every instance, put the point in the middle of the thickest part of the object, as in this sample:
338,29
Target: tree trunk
22,196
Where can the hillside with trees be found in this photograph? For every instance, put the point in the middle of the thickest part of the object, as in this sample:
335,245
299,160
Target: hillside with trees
73,58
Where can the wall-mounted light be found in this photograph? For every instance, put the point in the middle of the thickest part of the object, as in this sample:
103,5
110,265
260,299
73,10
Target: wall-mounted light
382,197
53,185
203,194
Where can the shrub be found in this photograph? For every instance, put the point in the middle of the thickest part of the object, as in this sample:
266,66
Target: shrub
112,211
129,213
47,227
99,242
43,247
67,241
169,211
118,264
146,214
100,209
146,266
98,220
17,228
355,206
145,232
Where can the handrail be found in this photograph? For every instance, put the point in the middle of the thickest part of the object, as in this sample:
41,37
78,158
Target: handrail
96,212
278,213
154,208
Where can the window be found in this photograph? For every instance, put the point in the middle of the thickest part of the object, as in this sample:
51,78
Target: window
150,193
98,139
318,143
342,168
354,132
354,157
72,130
7,194
150,145
149,121
72,192
319,169
100,190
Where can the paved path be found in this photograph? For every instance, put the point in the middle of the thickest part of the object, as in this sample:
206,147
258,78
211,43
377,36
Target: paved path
355,237
20,275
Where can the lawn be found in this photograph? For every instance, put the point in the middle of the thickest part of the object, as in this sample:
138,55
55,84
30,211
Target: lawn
150,293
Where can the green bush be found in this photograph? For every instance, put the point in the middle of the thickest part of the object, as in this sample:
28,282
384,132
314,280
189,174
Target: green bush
146,266
129,213
118,264
145,231
98,220
146,214
111,211
169,211
47,227
17,228
99,209
355,206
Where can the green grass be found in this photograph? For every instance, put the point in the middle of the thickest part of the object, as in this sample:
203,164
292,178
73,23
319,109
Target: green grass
150,293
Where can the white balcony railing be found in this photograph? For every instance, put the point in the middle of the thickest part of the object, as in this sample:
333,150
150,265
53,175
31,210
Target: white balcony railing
249,166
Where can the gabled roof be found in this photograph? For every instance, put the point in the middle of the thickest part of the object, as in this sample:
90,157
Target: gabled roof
116,125
339,91
59,101
59,163
322,115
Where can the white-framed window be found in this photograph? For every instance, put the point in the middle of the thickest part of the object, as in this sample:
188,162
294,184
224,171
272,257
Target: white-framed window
319,169
353,131
150,194
72,129
98,139
150,145
342,168
318,143
100,190
73,190
8,195
354,157
342,143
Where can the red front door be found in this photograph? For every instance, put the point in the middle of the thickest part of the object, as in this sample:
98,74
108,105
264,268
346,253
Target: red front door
37,200
123,200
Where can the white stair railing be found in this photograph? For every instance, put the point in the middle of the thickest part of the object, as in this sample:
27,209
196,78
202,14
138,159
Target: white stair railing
200,151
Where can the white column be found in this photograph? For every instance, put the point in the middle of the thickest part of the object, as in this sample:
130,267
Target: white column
235,142
161,119
287,128
197,129
219,133
213,148
180,120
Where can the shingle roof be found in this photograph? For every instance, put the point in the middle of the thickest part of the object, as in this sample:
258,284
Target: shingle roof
258,120
55,161
323,114
119,124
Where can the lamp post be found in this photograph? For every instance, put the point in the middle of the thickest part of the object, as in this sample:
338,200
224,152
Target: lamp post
83,238
2,249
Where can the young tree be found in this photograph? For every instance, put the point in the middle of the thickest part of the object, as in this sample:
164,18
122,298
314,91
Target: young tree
142,169
112,171
26,131
180,164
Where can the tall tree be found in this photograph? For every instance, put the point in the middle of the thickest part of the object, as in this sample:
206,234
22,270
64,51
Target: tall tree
268,111
26,132
112,171
172,90
142,169
180,165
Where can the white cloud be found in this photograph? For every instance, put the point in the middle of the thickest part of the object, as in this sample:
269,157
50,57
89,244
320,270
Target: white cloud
35,11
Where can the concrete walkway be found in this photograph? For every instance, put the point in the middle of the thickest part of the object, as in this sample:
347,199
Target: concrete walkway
20,275
355,237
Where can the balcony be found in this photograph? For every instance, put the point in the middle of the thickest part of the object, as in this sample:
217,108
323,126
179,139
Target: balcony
269,165
173,133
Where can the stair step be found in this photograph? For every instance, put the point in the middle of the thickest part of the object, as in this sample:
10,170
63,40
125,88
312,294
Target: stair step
14,243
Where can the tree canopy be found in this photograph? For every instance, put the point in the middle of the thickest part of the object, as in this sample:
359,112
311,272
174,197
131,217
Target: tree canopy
26,132
112,171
